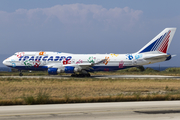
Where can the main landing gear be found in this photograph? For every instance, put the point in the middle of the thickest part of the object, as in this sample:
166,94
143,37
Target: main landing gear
20,74
81,75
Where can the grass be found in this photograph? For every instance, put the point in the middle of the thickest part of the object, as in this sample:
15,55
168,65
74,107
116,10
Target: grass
29,91
134,71
42,91
41,98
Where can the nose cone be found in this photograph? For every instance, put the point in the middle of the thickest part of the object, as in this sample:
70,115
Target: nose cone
5,62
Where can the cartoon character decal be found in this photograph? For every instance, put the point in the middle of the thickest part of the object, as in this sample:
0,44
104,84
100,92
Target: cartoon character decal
27,64
42,53
91,59
107,60
13,63
129,56
80,61
19,54
121,64
66,61
114,55
36,63
137,56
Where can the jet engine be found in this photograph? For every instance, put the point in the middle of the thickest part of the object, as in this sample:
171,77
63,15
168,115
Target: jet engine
67,69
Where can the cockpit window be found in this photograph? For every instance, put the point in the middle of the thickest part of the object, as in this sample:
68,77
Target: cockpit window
15,54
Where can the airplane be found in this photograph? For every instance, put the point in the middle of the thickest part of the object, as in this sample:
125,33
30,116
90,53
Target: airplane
82,64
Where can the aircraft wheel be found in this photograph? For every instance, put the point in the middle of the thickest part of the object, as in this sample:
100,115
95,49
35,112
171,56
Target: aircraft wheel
88,75
73,75
20,74
81,75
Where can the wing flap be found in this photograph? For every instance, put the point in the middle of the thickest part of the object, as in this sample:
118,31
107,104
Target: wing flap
85,65
82,66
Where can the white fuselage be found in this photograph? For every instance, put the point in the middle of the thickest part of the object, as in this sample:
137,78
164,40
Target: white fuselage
45,60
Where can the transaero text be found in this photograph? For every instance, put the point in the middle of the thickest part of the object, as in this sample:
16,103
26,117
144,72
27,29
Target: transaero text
44,58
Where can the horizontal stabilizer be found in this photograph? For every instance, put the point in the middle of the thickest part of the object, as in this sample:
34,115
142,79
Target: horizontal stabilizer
156,57
173,55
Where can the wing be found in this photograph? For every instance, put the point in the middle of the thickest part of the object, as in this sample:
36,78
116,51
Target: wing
85,66
80,66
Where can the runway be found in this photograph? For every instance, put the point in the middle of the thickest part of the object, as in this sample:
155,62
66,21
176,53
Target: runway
155,110
98,76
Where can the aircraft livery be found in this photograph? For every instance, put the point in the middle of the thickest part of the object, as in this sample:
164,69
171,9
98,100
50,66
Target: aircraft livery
81,64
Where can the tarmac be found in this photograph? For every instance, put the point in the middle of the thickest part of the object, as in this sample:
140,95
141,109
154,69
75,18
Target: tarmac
151,110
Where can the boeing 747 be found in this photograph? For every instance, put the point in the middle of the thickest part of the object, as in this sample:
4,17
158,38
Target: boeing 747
81,64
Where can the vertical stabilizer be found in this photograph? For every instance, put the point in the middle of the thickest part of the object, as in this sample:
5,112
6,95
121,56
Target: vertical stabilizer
161,42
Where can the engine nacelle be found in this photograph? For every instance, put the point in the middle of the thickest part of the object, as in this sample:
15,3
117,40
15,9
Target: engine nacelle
67,69
52,71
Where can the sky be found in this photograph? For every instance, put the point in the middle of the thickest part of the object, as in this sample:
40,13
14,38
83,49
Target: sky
86,26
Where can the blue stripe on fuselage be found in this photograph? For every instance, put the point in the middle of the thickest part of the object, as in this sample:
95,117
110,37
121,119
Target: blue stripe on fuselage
40,68
108,68
95,68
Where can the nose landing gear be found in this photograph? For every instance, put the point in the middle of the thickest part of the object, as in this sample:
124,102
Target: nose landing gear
20,74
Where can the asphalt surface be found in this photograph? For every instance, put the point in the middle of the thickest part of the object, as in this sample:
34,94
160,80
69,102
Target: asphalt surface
99,76
155,110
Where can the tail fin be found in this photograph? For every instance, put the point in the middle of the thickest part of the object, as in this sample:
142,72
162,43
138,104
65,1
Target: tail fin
161,42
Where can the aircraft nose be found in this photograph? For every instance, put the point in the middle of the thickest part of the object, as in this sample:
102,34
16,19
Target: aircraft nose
4,62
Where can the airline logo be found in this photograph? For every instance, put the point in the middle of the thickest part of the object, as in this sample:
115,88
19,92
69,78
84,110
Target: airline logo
161,44
44,58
